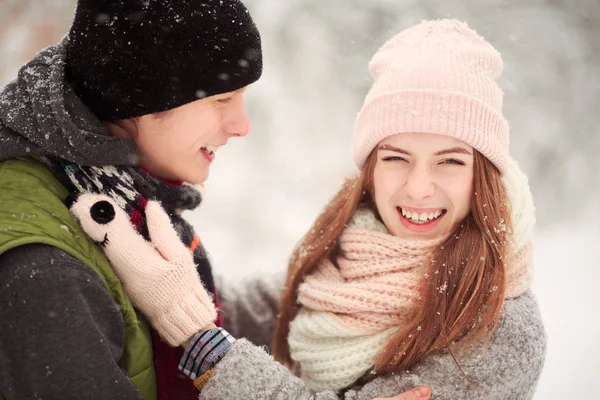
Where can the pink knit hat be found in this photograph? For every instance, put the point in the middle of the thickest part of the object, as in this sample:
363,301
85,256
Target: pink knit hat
435,77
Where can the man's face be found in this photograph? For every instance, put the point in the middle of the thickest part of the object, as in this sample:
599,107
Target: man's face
180,143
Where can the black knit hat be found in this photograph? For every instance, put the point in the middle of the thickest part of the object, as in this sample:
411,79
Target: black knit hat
127,58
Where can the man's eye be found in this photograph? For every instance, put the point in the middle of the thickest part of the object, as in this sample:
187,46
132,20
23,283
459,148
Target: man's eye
225,100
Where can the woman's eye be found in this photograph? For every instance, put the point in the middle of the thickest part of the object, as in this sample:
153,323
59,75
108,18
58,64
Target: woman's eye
225,100
453,161
393,158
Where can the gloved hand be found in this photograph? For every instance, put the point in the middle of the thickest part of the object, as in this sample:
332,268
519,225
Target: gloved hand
159,276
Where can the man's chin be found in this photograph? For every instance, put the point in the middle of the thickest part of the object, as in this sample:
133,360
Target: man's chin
188,176
197,177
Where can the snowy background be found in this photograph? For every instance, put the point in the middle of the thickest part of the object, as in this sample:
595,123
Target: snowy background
265,190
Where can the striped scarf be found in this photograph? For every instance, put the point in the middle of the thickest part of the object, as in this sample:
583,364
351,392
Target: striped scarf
131,188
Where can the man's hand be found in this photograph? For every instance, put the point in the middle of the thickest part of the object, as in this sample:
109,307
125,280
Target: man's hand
419,393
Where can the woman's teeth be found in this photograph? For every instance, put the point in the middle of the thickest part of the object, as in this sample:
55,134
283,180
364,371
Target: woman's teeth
421,218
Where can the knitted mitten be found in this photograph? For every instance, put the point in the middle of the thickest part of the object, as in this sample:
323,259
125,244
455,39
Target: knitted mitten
159,276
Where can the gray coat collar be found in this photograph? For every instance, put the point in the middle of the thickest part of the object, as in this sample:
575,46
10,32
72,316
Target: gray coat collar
40,115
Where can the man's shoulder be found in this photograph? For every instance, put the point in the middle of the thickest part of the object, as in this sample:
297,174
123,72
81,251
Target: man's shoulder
22,266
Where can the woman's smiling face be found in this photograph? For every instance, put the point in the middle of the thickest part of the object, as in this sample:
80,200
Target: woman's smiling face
423,184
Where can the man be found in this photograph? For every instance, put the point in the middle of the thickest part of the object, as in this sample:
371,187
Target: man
133,102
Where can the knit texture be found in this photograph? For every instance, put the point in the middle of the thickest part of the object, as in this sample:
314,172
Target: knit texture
508,368
136,57
204,351
352,308
131,188
436,77
41,116
159,276
518,270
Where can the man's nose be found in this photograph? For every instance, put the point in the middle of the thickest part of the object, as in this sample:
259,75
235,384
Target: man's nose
236,122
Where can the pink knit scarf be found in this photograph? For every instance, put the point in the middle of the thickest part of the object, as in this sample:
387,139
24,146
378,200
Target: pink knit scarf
373,286
352,309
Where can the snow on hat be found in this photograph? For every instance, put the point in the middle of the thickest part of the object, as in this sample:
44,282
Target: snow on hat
136,57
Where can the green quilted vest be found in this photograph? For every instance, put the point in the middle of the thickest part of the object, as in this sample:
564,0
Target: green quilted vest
32,211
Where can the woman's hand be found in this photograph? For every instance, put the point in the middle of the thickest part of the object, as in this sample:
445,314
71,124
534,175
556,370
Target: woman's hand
160,276
419,393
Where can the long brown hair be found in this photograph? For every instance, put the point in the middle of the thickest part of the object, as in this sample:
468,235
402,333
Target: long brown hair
464,289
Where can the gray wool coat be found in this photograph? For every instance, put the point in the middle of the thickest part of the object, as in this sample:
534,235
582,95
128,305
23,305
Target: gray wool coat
507,369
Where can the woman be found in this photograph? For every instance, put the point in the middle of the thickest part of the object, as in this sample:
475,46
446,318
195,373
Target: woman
418,270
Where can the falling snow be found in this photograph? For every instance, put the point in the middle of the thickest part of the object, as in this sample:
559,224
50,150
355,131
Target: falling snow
263,198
